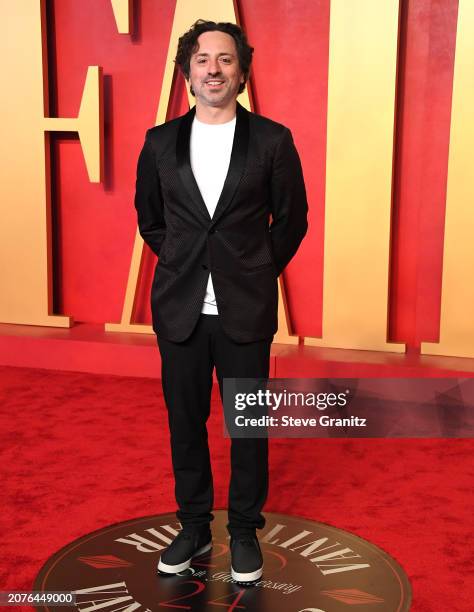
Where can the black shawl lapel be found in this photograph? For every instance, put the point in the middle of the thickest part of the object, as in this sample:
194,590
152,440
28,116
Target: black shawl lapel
238,160
237,164
183,160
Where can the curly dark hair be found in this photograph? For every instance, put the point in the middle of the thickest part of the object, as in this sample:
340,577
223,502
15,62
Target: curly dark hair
187,45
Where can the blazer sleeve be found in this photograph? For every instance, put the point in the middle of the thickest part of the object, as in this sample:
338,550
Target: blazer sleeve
289,205
148,199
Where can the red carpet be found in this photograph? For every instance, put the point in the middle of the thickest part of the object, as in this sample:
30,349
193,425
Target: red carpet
81,451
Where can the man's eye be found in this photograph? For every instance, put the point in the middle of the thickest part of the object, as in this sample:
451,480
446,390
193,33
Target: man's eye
226,60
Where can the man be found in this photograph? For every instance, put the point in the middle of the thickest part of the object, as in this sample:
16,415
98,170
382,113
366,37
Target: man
207,184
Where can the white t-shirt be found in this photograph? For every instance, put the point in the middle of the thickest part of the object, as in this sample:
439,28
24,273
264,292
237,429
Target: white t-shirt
210,150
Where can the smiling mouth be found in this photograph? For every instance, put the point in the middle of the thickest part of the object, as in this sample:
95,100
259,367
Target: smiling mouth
214,83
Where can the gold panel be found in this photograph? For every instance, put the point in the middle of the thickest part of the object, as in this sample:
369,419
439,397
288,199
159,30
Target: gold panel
123,15
457,298
186,13
284,335
89,124
360,132
25,228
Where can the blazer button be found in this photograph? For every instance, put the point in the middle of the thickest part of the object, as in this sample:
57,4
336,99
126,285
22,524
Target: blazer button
212,231
204,267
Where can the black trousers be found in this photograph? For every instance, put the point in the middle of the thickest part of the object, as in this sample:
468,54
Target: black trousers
187,382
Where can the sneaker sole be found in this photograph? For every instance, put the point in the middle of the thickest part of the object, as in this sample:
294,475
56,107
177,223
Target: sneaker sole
175,569
248,576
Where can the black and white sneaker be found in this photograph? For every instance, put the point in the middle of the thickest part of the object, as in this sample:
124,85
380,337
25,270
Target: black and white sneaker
246,556
189,543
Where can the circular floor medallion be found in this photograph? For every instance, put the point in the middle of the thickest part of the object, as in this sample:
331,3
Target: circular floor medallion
308,567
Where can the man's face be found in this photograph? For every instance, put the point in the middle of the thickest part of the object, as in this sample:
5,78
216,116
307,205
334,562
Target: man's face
215,74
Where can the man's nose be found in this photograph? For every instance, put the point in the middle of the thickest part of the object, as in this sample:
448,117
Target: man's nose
213,67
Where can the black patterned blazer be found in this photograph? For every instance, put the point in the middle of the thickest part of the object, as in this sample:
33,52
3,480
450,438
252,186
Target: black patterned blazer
243,250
